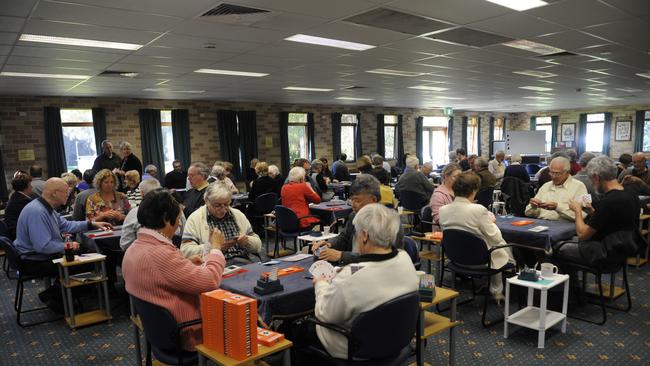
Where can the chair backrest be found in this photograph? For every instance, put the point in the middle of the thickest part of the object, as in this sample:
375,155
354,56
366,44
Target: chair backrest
286,219
411,247
464,248
3,227
159,325
516,195
485,196
532,168
427,219
397,317
11,253
412,201
264,203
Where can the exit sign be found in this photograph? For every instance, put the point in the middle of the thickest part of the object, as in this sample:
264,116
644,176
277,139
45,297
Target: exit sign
448,111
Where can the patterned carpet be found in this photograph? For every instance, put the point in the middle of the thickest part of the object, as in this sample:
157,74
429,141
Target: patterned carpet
624,339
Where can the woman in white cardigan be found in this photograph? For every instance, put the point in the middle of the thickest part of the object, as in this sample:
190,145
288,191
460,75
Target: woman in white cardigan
217,214
464,214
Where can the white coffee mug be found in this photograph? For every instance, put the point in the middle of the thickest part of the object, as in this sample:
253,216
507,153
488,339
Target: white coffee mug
548,269
326,230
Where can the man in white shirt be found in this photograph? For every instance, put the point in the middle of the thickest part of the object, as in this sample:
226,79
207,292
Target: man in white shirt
497,167
552,199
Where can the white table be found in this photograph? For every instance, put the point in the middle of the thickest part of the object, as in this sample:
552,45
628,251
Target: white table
311,238
533,317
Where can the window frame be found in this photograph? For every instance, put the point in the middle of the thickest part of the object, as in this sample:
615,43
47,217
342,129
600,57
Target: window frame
162,125
548,144
499,124
431,124
354,126
74,124
472,124
305,134
646,121
390,125
588,122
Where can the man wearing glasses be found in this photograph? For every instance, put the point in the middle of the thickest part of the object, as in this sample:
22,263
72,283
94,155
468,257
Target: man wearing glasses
552,199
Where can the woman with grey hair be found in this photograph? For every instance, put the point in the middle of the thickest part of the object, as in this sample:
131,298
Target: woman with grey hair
515,169
444,193
383,273
219,176
321,181
129,162
217,215
297,195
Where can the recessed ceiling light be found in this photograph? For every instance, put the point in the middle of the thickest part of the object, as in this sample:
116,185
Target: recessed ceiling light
300,88
629,90
520,5
537,74
395,72
644,75
49,76
79,42
329,42
353,98
231,72
531,46
536,88
450,98
539,98
428,88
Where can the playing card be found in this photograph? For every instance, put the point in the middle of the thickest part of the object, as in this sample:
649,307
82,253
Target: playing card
585,199
322,269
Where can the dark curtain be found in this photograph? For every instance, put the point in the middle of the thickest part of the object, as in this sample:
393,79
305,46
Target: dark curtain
99,126
491,137
555,122
381,148
418,138
638,130
607,131
358,146
582,132
311,136
247,139
533,123
478,136
229,139
152,142
400,140
450,133
284,142
181,135
4,194
464,134
54,142
336,136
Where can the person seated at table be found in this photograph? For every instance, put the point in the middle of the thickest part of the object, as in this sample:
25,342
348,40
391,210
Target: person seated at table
387,195
364,164
616,210
132,180
340,169
107,204
321,181
264,183
177,178
150,172
444,193
39,235
218,176
36,172
497,167
86,180
22,195
241,242
573,159
414,181
79,207
542,176
624,163
582,175
552,199
197,174
297,195
383,273
637,178
463,162
71,180
155,270
251,173
274,173
463,214
515,169
228,167
327,173
488,180
364,190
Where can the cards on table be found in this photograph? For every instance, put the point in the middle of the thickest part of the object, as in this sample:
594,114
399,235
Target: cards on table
538,228
322,269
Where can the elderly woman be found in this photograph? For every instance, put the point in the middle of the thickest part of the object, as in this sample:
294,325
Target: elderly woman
132,180
240,240
264,183
274,173
107,204
463,214
150,172
155,270
23,194
444,194
71,180
297,195
218,176
515,169
381,274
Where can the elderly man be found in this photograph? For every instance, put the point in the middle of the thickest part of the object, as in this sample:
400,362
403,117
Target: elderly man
552,199
639,175
197,174
497,167
365,189
414,181
340,170
107,159
36,172
487,179
426,169
582,175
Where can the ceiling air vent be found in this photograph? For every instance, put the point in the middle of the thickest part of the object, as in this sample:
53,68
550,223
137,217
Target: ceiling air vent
118,74
235,14
397,21
469,37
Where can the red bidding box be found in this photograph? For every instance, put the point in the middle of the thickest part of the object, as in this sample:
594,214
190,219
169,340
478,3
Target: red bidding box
229,323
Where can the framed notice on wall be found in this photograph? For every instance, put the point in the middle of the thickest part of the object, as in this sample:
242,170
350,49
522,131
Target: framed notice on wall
623,131
568,132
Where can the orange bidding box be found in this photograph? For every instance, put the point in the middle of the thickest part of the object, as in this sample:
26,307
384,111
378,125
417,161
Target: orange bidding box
229,323
268,337
522,222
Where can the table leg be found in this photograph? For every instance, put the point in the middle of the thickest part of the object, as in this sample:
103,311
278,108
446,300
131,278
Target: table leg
451,332
286,357
105,285
506,312
63,292
68,292
565,303
419,343
529,301
202,360
542,319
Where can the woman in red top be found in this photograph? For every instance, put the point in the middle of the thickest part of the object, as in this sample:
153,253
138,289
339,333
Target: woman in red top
297,195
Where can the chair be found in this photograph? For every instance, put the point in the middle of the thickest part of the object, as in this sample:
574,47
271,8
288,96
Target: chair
485,197
368,336
263,205
288,226
469,256
163,334
516,195
15,260
426,219
411,247
3,232
412,201
532,169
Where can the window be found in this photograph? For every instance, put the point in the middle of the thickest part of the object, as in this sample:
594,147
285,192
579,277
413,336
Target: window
78,138
348,127
390,136
595,132
472,136
646,132
434,140
167,139
298,141
498,129
544,124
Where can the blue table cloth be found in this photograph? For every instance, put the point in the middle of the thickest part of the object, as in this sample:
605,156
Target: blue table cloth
329,212
298,295
557,231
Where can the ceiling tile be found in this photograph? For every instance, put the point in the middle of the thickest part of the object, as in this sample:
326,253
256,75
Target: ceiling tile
516,25
426,46
459,12
570,40
573,13
11,24
632,33
632,7
64,54
8,38
17,8
181,9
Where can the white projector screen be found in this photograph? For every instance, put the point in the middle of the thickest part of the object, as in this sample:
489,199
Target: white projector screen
526,142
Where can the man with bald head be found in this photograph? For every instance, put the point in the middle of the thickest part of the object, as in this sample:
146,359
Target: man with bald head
552,199
107,159
639,176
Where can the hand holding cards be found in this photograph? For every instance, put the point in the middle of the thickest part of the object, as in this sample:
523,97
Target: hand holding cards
585,199
322,270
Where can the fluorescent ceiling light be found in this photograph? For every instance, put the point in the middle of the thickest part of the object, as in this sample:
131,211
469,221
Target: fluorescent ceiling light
329,42
644,75
537,74
520,5
536,88
629,90
79,42
49,76
531,46
450,98
428,88
539,98
395,72
300,88
353,98
230,72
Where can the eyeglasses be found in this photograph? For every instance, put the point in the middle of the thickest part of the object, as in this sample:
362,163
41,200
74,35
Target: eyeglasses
218,206
556,174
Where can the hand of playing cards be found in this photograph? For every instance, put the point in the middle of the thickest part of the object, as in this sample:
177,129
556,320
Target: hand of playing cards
322,270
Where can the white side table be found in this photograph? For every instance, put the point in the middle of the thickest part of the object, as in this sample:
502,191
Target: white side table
533,317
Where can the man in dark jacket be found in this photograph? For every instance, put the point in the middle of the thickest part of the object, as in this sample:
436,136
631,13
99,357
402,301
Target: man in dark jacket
107,159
